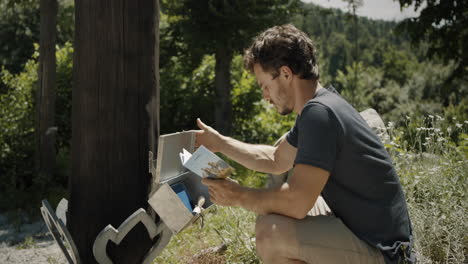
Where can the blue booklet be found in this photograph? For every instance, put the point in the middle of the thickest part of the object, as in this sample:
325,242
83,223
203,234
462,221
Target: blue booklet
181,191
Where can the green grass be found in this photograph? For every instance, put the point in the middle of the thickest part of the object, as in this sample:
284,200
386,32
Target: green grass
432,161
435,188
232,226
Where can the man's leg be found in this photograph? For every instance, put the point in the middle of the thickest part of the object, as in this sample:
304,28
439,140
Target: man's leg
315,239
286,244
275,237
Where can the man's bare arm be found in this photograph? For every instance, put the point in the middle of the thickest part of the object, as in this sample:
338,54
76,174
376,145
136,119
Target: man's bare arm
263,158
294,198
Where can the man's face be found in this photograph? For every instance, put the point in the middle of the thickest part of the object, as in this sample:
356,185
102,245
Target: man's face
273,90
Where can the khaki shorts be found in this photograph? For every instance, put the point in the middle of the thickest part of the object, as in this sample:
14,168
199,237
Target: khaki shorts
323,238
319,238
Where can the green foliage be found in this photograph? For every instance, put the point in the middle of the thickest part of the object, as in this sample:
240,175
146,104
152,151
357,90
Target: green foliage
17,134
357,84
267,126
186,95
339,55
435,189
224,28
229,24
432,162
19,30
391,74
333,32
444,24
396,66
232,226
19,186
425,84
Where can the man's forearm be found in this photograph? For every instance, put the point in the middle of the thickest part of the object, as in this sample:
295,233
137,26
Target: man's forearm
279,200
255,157
293,198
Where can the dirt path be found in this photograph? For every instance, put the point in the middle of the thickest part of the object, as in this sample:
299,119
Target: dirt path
28,243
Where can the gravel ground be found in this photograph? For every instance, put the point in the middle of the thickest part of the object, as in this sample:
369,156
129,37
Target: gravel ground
30,243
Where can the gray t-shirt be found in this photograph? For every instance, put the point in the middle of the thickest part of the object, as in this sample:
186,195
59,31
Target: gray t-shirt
363,189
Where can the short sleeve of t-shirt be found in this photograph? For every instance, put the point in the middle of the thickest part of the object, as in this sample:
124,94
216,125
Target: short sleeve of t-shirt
315,136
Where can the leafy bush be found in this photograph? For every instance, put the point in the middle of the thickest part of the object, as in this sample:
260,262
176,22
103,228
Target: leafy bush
19,186
19,30
17,134
186,94
434,173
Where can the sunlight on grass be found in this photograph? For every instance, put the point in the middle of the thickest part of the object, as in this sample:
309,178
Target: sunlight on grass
232,226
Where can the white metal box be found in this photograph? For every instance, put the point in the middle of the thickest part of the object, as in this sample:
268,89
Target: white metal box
170,172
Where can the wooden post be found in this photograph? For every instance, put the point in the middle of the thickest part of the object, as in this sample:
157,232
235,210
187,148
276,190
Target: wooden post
45,95
115,121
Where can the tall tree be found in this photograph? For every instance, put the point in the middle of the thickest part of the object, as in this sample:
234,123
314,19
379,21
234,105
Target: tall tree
223,28
20,26
353,6
45,94
442,25
115,113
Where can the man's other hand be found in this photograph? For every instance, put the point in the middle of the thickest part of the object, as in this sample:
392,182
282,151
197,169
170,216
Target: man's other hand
223,192
208,137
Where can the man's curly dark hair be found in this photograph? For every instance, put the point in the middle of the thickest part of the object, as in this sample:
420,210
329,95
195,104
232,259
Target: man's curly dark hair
283,46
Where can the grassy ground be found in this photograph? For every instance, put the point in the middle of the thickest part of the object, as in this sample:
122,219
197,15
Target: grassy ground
228,226
233,227
433,171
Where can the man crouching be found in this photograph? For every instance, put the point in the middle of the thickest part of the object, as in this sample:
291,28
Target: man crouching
334,154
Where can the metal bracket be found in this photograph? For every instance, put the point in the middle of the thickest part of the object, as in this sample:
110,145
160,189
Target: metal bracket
154,173
58,230
151,162
117,235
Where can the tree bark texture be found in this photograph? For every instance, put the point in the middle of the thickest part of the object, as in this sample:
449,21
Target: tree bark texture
115,115
223,107
46,90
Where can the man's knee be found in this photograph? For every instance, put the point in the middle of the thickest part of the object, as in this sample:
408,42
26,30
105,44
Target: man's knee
262,233
276,239
264,236
269,233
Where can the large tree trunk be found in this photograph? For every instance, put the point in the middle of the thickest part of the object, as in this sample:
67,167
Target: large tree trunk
45,94
223,106
115,121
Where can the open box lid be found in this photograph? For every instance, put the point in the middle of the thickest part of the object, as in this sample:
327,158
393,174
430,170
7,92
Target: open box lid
168,164
168,170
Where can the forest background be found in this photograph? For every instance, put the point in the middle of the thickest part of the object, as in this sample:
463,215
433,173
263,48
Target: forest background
420,92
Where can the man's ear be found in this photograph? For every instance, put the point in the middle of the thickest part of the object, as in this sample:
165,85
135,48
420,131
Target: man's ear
286,72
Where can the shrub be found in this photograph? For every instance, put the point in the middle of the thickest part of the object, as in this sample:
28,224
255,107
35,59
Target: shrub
19,186
434,173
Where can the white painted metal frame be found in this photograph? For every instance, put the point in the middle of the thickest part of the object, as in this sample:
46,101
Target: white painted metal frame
59,231
117,235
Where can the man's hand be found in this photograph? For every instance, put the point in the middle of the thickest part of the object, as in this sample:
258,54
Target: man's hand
208,137
224,192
